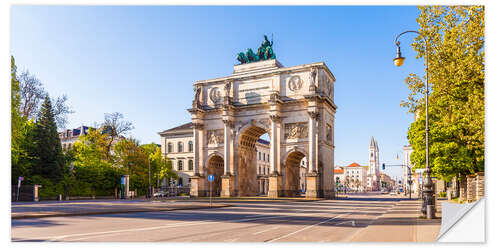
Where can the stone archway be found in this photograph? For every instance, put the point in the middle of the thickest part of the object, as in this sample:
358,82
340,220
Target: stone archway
291,173
215,166
247,158
293,104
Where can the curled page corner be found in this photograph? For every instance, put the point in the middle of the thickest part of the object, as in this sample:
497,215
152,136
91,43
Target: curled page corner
453,213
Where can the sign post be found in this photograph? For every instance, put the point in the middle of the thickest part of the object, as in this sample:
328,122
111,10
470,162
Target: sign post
19,180
211,179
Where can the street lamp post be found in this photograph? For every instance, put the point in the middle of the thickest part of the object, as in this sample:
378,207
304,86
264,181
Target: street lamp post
149,178
428,197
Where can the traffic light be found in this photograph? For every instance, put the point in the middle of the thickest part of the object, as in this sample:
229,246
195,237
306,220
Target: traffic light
383,166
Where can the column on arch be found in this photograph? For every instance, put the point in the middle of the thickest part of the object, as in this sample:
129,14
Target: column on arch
274,147
196,146
227,146
313,116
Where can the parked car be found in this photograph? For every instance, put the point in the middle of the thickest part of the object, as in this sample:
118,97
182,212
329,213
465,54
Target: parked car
160,194
393,192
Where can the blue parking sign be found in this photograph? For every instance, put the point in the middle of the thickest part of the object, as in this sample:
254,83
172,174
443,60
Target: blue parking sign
211,178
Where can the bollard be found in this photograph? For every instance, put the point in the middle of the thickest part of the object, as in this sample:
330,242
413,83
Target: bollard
430,211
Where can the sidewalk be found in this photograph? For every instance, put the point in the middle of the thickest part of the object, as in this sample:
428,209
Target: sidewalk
402,224
21,210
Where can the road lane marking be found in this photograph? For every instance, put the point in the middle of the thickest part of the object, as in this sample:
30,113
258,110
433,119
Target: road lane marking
60,237
305,228
269,229
353,223
255,215
350,237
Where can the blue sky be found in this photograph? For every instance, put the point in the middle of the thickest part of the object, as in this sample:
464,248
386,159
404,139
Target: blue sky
142,62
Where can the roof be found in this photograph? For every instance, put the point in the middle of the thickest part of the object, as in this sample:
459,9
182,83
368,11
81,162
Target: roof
184,126
354,164
372,143
263,141
338,171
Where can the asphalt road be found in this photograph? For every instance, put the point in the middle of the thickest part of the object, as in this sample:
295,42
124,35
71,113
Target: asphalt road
261,221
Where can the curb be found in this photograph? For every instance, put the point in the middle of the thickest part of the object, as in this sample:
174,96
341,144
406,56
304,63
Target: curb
30,216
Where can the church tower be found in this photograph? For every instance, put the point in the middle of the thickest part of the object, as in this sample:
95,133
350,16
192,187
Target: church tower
374,167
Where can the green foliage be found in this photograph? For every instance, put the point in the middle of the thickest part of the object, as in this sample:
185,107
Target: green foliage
456,102
50,159
18,127
90,150
97,159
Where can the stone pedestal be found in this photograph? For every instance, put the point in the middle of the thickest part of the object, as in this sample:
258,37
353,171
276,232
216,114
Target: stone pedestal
312,190
228,186
329,194
275,186
471,188
479,185
197,186
462,188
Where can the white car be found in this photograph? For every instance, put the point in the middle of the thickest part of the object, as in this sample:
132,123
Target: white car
160,194
393,193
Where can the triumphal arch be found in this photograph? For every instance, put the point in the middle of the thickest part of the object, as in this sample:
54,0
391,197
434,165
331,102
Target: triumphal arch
294,105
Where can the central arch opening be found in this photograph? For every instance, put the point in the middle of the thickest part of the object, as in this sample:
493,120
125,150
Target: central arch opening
294,174
253,162
215,166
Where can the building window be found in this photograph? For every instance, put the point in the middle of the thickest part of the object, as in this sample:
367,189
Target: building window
179,165
180,147
190,146
190,165
69,146
170,147
259,156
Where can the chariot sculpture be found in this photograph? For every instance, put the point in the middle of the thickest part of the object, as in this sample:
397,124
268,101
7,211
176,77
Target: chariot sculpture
264,52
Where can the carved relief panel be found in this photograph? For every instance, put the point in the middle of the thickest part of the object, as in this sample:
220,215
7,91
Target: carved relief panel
296,130
295,83
215,95
329,133
215,136
326,84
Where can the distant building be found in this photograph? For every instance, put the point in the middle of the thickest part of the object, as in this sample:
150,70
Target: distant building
386,181
407,166
339,174
70,136
356,176
263,165
303,172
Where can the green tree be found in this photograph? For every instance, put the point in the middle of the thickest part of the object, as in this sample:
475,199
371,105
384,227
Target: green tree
22,149
50,159
16,123
133,159
456,103
90,150
94,173
161,167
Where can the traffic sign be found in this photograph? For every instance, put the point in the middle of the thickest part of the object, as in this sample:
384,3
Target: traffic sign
211,178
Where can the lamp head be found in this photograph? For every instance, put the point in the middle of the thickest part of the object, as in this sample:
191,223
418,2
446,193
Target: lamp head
398,61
